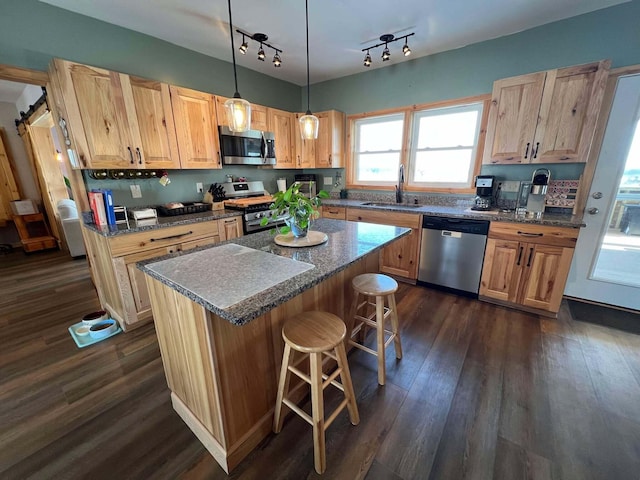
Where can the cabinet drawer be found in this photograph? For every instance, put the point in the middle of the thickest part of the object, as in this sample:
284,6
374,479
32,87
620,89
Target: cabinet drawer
339,213
409,220
526,232
135,242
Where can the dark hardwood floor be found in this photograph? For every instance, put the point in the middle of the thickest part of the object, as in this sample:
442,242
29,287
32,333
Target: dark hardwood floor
482,392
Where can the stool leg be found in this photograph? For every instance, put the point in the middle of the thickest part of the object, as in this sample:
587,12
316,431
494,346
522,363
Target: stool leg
317,406
394,325
380,332
345,379
283,388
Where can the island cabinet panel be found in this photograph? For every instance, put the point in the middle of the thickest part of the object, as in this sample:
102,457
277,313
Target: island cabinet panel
401,258
545,117
224,377
195,118
526,265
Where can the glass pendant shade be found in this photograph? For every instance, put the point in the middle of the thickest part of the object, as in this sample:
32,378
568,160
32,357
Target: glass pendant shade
238,114
309,125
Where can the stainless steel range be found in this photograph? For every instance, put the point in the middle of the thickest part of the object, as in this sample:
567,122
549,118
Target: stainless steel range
253,201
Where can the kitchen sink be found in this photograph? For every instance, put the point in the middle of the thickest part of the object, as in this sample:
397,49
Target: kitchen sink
391,204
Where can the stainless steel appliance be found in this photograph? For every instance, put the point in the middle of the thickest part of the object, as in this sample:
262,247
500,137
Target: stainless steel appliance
251,199
451,253
536,199
252,147
307,184
484,192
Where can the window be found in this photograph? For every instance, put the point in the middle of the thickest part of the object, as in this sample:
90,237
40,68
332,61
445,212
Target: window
443,150
437,144
377,149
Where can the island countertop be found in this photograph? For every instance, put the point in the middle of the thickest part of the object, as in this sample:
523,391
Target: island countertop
210,276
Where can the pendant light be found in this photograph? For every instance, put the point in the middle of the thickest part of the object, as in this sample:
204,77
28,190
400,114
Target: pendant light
238,110
309,123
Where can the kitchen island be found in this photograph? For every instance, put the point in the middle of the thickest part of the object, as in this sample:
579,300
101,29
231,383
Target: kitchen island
222,351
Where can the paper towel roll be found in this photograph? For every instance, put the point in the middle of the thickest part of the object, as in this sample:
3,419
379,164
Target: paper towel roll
282,184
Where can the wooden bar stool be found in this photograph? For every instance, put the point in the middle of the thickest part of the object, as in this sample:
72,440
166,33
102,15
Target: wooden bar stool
378,286
315,334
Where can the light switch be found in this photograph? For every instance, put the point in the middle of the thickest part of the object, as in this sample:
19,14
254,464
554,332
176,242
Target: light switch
135,191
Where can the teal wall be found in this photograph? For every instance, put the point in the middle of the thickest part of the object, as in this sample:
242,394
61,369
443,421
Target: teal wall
32,33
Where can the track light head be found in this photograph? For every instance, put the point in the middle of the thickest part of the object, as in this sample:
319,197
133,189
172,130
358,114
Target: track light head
244,47
277,61
261,54
406,51
367,59
386,55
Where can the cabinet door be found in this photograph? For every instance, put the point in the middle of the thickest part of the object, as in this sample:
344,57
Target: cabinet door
230,228
195,119
502,269
401,257
329,148
259,118
95,95
513,116
546,270
281,124
305,149
568,114
338,213
151,117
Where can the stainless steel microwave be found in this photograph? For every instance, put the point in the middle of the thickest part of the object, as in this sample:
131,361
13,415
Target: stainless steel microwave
252,147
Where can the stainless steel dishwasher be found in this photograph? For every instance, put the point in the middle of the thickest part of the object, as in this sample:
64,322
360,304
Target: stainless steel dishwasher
451,253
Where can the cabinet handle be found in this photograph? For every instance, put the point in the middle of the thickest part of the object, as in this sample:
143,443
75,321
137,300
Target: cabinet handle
519,256
131,155
179,235
299,163
527,234
219,158
535,152
526,152
139,154
530,256
229,221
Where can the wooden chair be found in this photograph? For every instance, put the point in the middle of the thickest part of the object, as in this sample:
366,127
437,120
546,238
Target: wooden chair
315,334
378,286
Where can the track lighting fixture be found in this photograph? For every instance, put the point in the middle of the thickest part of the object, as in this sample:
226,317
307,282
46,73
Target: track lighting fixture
243,48
385,40
367,59
238,110
260,38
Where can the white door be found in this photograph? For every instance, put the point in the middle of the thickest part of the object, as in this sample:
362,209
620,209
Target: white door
606,263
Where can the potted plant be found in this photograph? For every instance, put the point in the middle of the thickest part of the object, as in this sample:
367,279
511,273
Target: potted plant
299,208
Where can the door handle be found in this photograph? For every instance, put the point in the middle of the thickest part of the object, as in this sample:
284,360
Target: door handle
593,211
597,195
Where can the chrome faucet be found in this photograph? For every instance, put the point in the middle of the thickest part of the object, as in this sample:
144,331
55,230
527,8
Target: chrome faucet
400,183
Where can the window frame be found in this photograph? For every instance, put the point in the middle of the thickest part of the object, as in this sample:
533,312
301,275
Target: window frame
405,156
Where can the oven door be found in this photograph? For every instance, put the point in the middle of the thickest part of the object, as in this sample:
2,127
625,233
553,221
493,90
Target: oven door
253,225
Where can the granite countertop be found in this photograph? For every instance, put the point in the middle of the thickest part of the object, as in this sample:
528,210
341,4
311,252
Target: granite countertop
553,219
203,274
209,215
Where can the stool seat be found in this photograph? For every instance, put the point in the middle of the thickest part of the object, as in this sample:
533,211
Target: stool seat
314,332
374,284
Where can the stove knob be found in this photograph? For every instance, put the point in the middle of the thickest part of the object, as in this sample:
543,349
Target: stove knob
259,214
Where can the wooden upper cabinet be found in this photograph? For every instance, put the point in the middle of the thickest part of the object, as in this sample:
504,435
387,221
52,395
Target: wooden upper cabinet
305,149
96,108
545,117
194,114
259,116
513,116
569,111
281,123
329,149
155,132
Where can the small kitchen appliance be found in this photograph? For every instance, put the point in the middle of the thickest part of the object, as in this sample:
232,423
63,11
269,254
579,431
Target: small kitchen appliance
252,200
539,184
252,147
307,184
484,192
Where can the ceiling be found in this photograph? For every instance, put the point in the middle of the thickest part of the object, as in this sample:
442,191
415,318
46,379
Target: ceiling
338,29
10,91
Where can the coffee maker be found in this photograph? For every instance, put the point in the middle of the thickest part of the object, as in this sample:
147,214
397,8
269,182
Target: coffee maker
484,192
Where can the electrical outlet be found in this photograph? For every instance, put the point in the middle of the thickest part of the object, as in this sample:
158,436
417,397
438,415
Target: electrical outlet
328,181
135,191
199,187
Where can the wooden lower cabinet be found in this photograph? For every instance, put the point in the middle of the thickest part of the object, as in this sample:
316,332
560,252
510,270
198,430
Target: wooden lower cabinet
121,286
401,258
527,265
339,213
